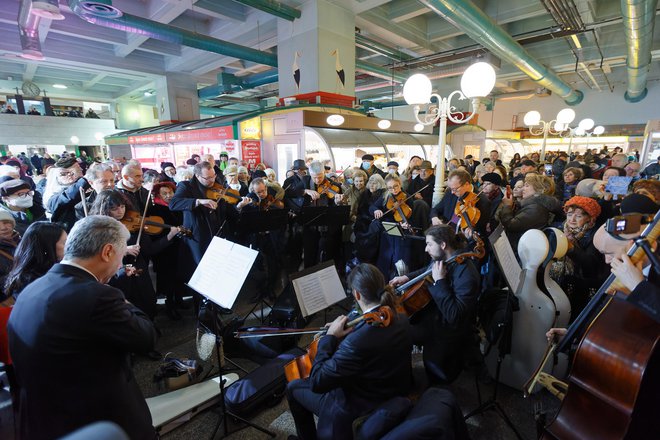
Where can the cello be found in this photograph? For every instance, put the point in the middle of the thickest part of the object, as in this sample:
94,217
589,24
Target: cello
614,386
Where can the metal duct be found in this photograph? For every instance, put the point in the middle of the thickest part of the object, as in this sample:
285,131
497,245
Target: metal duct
379,48
29,16
379,71
477,25
228,83
102,13
273,8
638,21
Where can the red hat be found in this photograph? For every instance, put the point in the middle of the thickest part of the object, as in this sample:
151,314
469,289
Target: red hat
587,204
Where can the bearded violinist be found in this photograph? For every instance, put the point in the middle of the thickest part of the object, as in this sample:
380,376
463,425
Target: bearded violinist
444,327
459,186
355,370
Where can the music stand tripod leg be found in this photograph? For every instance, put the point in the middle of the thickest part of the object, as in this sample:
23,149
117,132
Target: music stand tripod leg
225,414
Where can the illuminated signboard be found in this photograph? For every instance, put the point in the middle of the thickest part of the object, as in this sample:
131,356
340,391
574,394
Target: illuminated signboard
250,129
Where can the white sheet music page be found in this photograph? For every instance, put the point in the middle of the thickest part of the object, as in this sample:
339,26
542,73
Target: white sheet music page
318,290
222,271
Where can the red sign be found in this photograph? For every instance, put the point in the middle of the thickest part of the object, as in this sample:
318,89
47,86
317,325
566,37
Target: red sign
251,153
203,134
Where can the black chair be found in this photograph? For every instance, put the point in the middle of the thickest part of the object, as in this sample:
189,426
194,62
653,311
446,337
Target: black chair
496,309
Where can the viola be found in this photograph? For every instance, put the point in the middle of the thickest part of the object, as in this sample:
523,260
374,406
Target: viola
270,202
466,209
220,192
153,224
402,211
414,295
300,367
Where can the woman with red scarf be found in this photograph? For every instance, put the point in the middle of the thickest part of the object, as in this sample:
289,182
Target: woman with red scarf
168,283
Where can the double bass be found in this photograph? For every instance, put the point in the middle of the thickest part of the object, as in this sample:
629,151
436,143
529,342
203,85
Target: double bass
614,385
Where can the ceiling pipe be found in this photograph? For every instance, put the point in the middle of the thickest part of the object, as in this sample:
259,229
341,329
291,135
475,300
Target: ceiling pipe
228,83
273,8
102,13
638,22
212,111
30,14
480,27
380,49
379,71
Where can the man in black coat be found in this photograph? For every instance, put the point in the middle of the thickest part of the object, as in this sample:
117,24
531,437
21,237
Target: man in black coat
370,168
459,185
444,327
62,204
355,370
204,217
423,183
130,185
70,336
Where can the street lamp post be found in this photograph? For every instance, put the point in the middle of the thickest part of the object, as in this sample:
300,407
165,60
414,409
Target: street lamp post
555,127
584,128
477,81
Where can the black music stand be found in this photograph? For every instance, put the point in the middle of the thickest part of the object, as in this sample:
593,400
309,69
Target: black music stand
325,215
261,222
396,230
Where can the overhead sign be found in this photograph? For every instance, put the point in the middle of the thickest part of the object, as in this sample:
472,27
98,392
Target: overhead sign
250,129
203,134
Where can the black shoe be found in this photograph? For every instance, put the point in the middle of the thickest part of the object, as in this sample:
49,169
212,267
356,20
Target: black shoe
155,355
173,314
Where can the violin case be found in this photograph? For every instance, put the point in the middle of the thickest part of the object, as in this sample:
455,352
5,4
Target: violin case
261,388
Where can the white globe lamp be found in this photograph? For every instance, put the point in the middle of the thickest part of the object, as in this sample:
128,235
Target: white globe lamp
586,124
417,89
478,80
532,118
599,130
566,116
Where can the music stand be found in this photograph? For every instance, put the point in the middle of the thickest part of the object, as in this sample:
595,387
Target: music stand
326,215
261,222
396,230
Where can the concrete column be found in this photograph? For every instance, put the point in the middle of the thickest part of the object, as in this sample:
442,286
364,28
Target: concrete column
319,44
176,98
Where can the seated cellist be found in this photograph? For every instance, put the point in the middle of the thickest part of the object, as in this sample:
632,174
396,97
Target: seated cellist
355,370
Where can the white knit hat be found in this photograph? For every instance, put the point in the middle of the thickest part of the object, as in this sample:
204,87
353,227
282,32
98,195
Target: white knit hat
6,216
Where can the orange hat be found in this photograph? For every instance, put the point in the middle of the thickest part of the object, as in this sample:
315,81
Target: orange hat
587,204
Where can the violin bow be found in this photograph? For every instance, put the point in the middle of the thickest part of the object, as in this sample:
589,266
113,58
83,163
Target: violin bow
83,201
407,198
144,217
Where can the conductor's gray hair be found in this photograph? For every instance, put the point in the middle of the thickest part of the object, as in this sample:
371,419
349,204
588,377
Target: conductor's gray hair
90,234
96,171
316,167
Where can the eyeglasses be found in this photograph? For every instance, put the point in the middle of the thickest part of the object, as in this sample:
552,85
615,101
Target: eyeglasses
208,178
24,195
67,173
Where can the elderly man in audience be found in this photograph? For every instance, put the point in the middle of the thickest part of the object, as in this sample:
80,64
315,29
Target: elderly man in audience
18,200
130,185
70,336
100,178
63,191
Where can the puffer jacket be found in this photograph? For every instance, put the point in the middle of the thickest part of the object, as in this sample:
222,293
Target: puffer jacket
535,212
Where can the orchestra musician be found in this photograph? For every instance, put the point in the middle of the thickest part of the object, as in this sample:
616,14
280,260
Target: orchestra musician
459,185
130,185
444,327
312,191
355,370
203,216
264,198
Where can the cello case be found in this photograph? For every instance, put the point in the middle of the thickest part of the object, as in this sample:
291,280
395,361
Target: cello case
538,312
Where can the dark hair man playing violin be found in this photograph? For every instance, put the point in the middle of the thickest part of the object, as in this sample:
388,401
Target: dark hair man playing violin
202,215
459,186
355,369
444,326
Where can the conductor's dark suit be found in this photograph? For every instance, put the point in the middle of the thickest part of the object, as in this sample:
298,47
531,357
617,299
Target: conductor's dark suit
70,339
352,377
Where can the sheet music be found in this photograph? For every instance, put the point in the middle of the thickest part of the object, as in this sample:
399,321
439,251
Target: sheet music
222,271
507,259
319,289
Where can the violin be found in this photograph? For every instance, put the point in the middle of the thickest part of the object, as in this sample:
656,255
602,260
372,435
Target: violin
300,367
466,209
328,188
413,296
220,192
153,224
270,202
402,211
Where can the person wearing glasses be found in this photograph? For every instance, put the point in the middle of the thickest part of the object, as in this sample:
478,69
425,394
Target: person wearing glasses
62,191
17,199
204,216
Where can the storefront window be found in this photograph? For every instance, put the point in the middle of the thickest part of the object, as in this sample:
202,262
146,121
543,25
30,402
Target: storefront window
316,149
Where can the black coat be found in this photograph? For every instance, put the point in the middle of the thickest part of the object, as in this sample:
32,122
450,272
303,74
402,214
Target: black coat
294,193
203,222
62,205
427,193
70,339
369,366
445,210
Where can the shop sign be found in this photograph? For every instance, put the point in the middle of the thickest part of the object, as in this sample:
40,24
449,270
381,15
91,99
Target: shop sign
204,134
251,153
250,129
